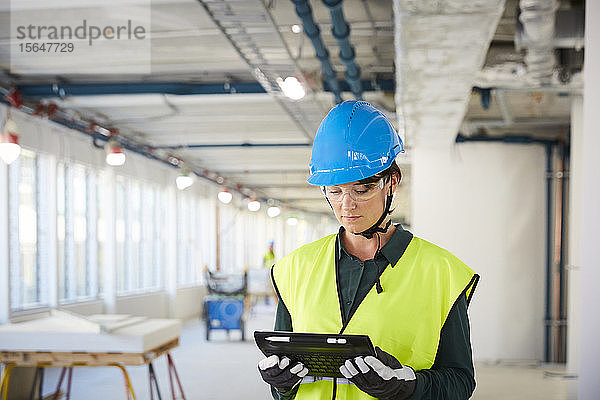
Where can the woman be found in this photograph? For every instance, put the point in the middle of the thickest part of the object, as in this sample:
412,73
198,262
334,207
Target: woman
372,278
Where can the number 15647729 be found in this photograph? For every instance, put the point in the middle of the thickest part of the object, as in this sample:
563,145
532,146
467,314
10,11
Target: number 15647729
46,47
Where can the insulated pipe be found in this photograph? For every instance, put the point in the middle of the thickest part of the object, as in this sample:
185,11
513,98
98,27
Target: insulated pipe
341,32
313,32
563,284
538,18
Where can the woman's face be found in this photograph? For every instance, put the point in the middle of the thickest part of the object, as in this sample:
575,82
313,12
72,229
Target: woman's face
358,216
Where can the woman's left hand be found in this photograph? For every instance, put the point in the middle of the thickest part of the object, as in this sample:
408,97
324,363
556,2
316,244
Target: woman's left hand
383,377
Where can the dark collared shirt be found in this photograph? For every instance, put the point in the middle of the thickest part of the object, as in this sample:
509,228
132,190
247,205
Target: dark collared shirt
452,375
358,277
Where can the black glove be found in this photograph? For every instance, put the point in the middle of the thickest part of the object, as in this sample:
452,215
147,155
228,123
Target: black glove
280,374
382,377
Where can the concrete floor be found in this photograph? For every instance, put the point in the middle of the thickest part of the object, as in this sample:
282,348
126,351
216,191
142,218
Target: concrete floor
225,368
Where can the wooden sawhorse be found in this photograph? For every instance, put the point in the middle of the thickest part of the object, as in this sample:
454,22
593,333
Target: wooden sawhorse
68,360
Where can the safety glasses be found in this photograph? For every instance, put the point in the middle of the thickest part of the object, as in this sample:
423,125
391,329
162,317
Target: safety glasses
357,192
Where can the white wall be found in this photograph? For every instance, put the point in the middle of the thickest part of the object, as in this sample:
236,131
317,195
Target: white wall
187,304
485,203
589,384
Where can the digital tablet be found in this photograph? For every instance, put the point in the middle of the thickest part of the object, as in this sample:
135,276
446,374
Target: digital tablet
322,354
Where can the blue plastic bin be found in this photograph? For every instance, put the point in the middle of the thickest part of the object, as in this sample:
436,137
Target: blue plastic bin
224,312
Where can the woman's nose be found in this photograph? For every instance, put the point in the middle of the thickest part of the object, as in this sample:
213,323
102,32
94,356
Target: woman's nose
348,202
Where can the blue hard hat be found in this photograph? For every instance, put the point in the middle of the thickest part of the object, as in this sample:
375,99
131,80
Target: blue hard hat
353,142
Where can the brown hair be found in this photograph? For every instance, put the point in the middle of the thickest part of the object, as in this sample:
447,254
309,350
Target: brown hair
391,170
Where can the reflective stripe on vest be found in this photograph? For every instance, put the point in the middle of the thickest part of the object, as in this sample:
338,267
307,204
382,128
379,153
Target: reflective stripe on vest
405,319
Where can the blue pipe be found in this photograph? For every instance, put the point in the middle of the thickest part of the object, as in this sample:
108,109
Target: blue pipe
313,32
176,88
223,145
548,145
341,32
515,139
368,85
548,311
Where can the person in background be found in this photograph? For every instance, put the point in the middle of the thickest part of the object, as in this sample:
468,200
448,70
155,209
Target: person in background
268,261
269,257
372,277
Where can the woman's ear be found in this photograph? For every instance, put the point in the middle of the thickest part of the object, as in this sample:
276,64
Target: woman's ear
395,180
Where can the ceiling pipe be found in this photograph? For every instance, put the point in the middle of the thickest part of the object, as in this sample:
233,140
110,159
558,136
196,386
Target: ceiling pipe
304,11
174,88
225,145
341,32
62,90
368,85
503,106
538,20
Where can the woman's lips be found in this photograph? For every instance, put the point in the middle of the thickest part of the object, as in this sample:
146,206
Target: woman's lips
350,217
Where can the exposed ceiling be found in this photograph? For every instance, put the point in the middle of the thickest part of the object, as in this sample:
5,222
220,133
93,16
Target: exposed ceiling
228,117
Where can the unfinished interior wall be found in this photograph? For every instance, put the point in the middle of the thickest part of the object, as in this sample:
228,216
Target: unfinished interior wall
589,317
485,202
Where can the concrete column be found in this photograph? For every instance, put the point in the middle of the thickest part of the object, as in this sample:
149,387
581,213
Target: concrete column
4,269
574,242
589,343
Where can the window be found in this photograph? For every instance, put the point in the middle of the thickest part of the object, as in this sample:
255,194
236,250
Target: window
139,235
229,220
61,189
185,239
152,236
103,201
120,234
76,233
25,267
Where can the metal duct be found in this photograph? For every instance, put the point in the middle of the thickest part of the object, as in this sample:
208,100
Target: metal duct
538,19
313,32
341,32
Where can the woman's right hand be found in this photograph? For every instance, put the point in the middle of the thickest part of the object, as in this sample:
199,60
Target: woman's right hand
280,373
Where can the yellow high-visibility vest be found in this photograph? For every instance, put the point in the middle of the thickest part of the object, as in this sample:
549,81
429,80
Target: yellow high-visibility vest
268,259
404,320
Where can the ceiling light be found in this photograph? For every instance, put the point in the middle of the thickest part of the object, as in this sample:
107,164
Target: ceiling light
296,28
273,211
292,221
291,87
184,180
225,196
254,205
114,154
9,142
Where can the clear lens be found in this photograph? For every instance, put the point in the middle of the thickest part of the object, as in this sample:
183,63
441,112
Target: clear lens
362,192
